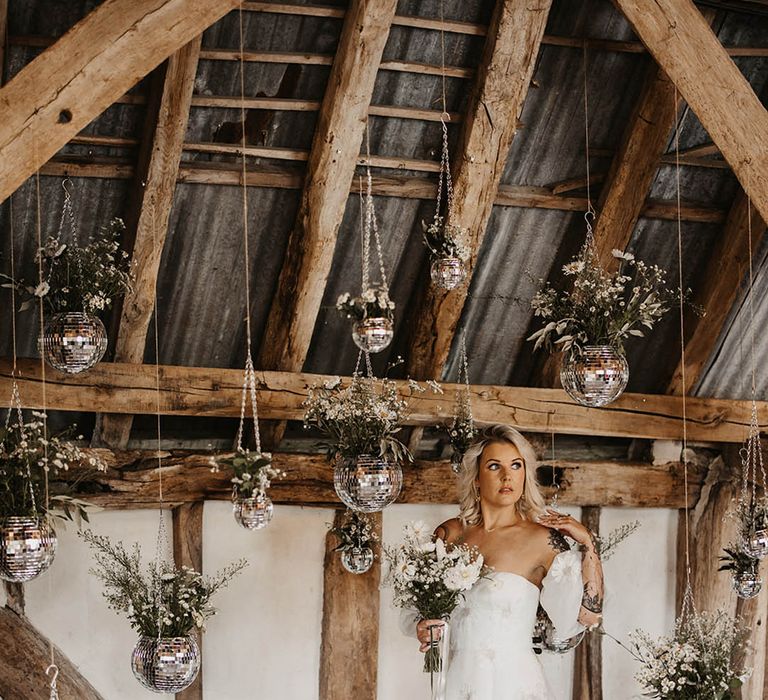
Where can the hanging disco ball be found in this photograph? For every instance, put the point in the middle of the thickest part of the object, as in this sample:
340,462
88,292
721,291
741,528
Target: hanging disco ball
367,483
747,584
595,376
373,334
448,273
756,544
357,560
545,634
166,665
73,342
27,548
253,513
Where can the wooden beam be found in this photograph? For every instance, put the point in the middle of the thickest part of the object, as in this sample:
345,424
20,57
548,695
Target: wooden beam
131,481
503,79
24,656
684,45
588,658
3,37
14,596
754,615
330,171
215,392
188,551
718,288
98,60
153,205
349,647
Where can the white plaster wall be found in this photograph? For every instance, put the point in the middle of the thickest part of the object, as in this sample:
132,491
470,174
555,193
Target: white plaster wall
640,590
66,604
265,640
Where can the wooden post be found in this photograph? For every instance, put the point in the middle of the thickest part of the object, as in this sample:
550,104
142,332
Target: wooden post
588,661
188,551
350,643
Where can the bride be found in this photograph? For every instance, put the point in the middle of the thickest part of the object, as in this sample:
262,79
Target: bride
503,514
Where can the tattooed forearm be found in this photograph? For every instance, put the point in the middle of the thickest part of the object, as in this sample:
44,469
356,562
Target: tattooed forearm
557,541
592,601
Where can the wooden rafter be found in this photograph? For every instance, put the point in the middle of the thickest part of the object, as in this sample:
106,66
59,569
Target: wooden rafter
509,58
330,172
213,392
54,97
717,291
131,481
683,44
155,185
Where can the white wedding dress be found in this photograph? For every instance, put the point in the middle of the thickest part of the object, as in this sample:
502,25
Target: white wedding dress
491,653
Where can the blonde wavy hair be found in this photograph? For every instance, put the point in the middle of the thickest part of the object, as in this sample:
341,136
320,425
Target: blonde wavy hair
531,503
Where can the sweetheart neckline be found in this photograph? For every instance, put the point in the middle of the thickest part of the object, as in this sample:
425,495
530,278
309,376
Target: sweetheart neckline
520,576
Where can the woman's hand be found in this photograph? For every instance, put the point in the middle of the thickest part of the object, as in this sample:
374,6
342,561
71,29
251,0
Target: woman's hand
423,632
567,525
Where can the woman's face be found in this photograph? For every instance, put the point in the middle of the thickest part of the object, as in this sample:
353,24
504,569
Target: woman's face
501,474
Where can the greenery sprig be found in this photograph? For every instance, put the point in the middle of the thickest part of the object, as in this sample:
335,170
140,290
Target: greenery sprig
445,240
162,601
374,302
355,531
252,472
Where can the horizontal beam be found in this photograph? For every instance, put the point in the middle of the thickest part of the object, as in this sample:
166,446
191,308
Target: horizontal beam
131,481
204,391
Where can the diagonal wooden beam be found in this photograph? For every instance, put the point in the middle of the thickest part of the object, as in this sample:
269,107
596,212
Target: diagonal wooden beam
509,58
683,44
717,291
156,186
331,167
214,392
84,72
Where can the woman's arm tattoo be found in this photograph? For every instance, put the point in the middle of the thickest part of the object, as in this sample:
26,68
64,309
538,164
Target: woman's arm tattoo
558,542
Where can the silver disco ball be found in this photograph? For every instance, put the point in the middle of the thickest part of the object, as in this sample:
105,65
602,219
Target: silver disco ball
373,334
166,665
367,483
756,544
357,560
747,584
74,341
596,376
448,273
545,632
27,548
253,513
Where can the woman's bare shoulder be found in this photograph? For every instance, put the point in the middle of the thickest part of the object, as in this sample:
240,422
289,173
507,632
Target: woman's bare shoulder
550,539
450,530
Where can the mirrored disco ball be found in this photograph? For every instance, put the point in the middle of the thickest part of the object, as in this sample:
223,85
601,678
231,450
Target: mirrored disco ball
357,560
367,483
253,513
166,665
74,342
27,548
756,545
373,334
547,636
596,376
747,584
447,273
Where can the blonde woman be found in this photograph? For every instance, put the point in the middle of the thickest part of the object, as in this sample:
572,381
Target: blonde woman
503,514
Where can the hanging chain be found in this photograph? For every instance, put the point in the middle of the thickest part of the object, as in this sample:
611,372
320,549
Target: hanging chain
464,369
590,213
444,181
366,237
53,668
371,227
249,389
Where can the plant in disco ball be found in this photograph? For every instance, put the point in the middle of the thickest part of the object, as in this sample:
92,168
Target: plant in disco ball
698,661
601,308
28,455
159,600
252,472
745,571
444,240
355,532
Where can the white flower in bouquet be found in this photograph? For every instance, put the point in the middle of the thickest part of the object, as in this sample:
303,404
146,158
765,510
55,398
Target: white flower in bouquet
463,576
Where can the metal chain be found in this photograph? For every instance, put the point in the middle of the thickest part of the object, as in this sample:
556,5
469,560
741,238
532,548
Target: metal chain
55,669
370,220
249,388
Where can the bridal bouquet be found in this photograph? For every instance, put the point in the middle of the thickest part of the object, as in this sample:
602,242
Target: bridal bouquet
696,662
431,578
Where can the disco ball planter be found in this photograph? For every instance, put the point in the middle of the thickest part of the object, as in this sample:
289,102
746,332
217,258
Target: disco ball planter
755,544
367,483
595,376
747,584
253,513
166,665
447,273
357,560
27,548
73,342
373,334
